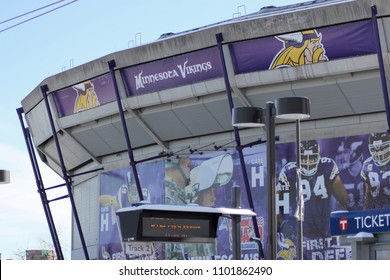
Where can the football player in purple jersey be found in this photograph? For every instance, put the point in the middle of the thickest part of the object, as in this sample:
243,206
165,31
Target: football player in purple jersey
375,172
350,161
321,185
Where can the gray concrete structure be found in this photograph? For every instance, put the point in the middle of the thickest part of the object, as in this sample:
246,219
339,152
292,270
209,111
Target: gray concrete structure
346,99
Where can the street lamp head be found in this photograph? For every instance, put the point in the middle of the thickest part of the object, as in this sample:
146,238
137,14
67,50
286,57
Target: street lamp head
292,108
4,176
247,117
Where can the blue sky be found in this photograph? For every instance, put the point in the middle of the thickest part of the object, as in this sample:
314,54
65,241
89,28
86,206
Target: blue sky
79,32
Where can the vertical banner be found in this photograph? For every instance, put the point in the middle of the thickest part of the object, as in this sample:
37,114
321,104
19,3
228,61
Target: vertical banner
118,190
207,180
331,180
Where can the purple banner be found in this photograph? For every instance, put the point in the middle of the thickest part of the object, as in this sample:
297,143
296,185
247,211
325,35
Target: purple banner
285,50
331,180
84,96
202,179
304,47
172,72
216,174
117,190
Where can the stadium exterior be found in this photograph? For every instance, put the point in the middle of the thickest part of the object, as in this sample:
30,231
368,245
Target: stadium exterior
174,99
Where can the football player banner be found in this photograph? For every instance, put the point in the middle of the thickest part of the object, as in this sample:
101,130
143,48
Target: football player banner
206,180
118,190
347,173
336,173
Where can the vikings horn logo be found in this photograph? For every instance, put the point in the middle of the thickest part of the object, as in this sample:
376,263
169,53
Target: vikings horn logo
86,97
288,250
299,48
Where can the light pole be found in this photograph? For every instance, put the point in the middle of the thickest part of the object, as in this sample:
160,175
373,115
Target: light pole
4,176
286,108
256,117
296,108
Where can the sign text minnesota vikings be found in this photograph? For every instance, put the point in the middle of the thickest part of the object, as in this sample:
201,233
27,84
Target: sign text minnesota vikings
183,70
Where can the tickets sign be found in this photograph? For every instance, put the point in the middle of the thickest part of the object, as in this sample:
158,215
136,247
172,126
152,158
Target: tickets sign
374,221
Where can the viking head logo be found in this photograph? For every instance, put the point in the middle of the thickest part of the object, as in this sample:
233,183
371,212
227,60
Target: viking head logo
86,96
299,48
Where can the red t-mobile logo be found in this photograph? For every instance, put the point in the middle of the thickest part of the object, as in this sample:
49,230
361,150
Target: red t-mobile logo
343,223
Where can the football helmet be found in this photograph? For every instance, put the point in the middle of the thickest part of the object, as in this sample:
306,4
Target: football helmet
379,147
356,151
211,173
310,157
350,152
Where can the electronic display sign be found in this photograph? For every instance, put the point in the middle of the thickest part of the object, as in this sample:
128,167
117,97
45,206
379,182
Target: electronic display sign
181,228
172,223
